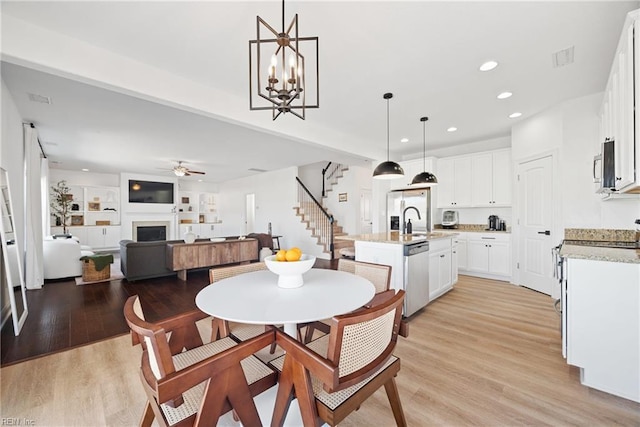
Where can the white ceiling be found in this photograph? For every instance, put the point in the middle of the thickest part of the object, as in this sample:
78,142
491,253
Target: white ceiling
426,53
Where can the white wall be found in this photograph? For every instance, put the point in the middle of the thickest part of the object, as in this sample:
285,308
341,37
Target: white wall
276,194
311,176
354,181
571,129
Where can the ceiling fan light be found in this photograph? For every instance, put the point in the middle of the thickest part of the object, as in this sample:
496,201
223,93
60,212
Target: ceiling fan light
425,178
388,170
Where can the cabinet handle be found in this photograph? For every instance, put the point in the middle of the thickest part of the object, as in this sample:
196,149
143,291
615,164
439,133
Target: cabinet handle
442,256
618,178
488,238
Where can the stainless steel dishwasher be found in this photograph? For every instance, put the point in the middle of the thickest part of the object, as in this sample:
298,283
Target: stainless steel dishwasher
416,276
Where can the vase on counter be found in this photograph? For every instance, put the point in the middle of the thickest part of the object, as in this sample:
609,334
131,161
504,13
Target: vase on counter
189,236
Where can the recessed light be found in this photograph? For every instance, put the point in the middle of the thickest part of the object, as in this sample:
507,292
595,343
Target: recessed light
199,180
404,140
514,115
488,66
504,95
452,129
85,170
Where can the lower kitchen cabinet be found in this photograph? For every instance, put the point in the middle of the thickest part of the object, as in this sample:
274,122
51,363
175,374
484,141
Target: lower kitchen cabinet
440,268
454,261
603,325
489,255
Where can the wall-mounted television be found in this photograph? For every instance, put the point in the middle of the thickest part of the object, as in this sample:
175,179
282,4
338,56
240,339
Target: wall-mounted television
150,192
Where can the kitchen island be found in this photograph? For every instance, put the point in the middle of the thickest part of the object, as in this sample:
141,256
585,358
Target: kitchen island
423,264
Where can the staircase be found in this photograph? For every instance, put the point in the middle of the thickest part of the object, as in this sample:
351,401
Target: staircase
308,213
317,219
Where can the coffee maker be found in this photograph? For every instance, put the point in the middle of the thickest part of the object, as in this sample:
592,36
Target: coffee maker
493,222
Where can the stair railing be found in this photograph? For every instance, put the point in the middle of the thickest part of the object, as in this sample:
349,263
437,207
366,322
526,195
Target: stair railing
329,175
314,212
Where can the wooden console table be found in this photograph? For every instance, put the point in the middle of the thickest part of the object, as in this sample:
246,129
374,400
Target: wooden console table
184,256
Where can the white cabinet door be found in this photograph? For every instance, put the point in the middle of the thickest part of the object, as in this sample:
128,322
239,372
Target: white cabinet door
454,182
102,237
478,256
482,185
206,231
501,178
434,275
445,183
500,258
461,244
439,273
624,108
462,182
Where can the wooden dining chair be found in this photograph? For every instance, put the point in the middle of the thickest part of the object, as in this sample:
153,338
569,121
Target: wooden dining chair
189,383
378,274
239,331
335,374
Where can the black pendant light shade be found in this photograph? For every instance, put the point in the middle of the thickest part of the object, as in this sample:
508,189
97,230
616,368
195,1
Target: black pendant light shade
388,169
424,178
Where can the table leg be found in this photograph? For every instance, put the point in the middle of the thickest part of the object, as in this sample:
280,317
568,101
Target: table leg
291,329
182,275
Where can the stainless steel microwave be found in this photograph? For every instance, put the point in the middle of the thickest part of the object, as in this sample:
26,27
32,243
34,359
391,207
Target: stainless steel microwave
604,168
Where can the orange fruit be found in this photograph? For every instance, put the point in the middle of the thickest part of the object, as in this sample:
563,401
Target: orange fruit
281,255
293,255
296,249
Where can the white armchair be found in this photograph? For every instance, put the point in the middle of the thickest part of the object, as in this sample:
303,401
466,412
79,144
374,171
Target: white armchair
62,258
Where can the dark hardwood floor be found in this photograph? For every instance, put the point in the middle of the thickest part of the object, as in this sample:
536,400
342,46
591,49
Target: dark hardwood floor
63,315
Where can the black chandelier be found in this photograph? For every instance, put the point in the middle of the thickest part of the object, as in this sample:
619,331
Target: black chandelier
284,78
424,177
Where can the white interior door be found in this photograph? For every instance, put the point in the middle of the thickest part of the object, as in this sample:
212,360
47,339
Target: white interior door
366,219
250,213
535,193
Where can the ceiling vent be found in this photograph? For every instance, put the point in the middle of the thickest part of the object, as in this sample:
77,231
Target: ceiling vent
257,170
39,98
562,57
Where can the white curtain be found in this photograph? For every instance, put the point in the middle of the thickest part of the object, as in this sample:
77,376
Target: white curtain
33,264
44,186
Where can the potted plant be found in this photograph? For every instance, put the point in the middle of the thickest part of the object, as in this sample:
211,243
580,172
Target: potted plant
61,199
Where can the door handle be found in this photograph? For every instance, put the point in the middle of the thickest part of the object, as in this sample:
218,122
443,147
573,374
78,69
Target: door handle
545,232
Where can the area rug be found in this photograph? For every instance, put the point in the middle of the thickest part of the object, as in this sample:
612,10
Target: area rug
116,274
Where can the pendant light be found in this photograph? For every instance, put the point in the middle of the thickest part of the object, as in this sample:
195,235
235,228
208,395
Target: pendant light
388,169
425,178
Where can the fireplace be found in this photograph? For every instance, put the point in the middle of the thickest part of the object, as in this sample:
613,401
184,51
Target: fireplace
148,231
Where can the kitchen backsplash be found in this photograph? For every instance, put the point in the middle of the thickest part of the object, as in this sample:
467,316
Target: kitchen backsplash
600,234
469,227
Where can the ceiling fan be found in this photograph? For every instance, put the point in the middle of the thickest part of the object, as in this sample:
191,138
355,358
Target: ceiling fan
181,170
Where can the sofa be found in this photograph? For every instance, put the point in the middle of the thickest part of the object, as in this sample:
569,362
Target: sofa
61,257
145,260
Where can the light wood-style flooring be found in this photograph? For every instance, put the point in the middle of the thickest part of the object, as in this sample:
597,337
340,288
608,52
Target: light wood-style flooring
485,354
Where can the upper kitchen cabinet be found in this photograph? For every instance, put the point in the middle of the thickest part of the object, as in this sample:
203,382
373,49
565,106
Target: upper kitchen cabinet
454,182
412,168
491,184
618,120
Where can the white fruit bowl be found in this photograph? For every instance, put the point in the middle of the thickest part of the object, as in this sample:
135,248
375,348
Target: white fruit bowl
290,272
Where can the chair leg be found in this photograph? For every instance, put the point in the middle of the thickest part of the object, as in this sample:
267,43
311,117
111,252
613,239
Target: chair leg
394,400
308,334
147,416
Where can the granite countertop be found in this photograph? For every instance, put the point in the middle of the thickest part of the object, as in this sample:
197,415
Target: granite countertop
395,237
470,228
601,254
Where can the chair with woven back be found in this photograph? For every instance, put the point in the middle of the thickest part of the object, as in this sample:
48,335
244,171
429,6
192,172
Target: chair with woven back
240,331
378,274
334,374
189,383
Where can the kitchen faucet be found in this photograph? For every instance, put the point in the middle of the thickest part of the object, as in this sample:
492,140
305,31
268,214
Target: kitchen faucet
404,213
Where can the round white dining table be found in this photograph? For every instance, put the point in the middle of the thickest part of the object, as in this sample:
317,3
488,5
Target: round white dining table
255,298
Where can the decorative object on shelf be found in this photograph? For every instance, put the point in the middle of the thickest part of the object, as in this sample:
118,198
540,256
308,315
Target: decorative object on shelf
424,177
388,169
290,272
201,218
287,88
190,209
93,206
342,197
75,220
185,200
61,203
189,236
103,222
75,207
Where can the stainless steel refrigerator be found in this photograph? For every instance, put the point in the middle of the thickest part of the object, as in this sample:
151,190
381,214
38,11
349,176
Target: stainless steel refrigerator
399,200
